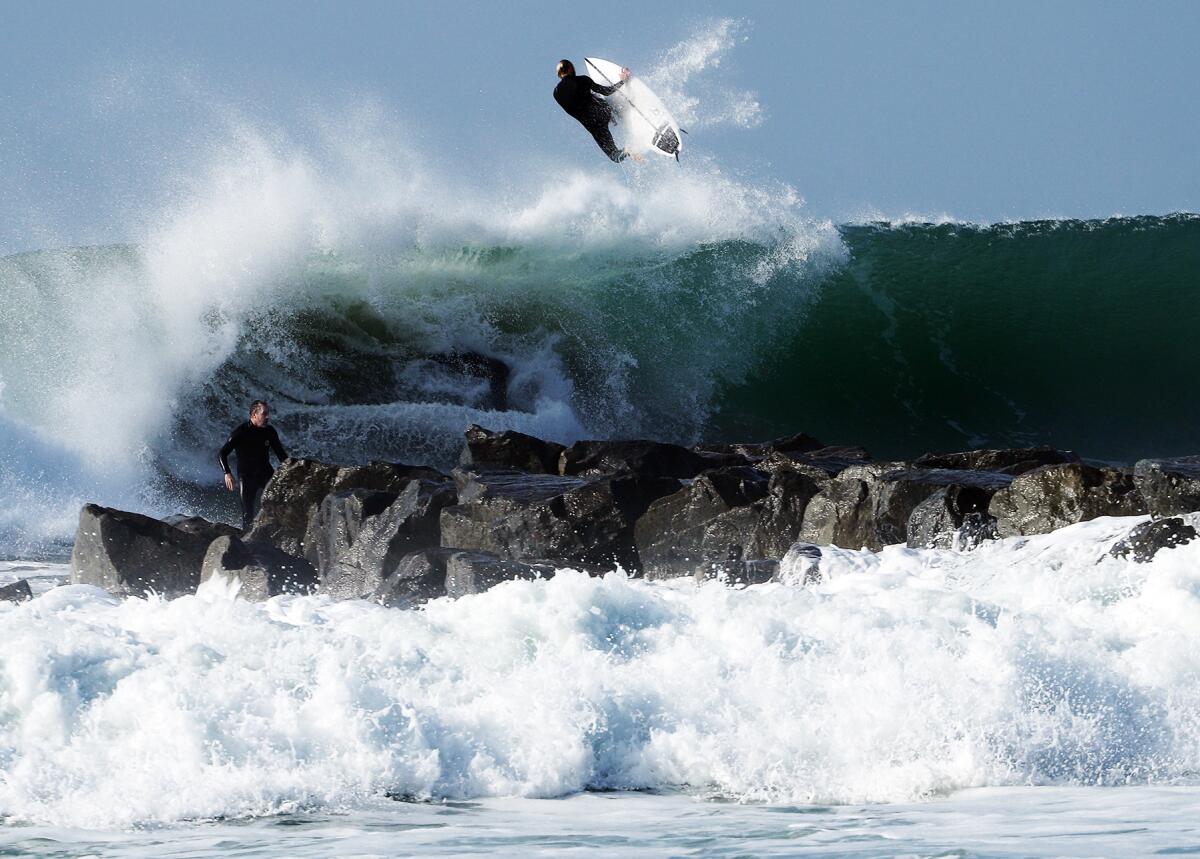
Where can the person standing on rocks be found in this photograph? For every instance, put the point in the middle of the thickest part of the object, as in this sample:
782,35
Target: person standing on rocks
253,442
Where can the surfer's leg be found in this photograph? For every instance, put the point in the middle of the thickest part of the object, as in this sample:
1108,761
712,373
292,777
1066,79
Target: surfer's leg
604,140
252,489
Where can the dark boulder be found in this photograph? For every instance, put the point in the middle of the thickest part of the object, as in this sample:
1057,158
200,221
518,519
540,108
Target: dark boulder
868,506
516,516
1170,486
475,572
415,578
18,591
670,535
823,462
1054,496
509,450
799,443
957,515
755,523
263,570
1146,539
1006,461
646,458
201,527
755,572
801,565
289,503
292,499
361,534
129,554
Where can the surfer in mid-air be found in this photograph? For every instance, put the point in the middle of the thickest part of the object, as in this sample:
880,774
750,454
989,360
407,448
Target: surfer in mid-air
581,97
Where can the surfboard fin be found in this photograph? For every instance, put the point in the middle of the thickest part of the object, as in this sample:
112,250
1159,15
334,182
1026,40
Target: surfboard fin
684,130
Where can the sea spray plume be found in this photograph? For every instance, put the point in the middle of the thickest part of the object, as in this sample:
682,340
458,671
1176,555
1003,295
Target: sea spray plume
683,78
324,273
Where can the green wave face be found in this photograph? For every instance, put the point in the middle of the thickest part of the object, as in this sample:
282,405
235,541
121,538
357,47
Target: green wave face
1081,334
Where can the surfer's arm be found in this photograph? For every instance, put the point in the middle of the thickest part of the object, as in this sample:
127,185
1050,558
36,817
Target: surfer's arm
607,90
277,446
228,448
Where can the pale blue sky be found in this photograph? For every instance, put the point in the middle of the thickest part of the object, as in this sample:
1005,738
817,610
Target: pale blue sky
980,111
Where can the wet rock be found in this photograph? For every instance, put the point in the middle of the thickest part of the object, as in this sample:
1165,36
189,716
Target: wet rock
362,534
415,578
1170,486
263,570
509,450
1006,461
18,591
957,515
738,572
823,462
1145,540
799,443
129,554
801,565
518,516
1054,496
202,528
868,506
476,572
647,458
670,535
292,499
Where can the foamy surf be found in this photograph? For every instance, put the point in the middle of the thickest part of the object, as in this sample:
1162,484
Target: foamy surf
903,676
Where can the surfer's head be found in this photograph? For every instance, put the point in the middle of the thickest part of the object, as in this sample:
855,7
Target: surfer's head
260,413
566,68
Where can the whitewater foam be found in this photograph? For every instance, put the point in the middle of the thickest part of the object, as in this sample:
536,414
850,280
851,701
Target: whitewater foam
903,675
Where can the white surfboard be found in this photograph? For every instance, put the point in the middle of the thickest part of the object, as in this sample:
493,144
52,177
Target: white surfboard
644,122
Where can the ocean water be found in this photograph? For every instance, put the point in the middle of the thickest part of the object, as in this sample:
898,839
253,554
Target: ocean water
1031,698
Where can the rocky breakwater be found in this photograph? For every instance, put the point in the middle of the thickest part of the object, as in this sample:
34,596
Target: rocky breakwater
518,507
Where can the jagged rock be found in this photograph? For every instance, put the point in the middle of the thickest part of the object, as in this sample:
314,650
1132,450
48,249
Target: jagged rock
738,572
18,591
201,527
415,578
1005,461
263,570
361,534
289,502
129,554
476,572
1146,539
1170,486
824,462
670,535
646,458
753,523
956,516
799,443
868,506
801,565
519,516
509,450
1053,496
292,499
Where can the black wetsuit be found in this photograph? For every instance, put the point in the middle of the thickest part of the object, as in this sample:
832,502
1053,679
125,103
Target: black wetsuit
579,96
253,446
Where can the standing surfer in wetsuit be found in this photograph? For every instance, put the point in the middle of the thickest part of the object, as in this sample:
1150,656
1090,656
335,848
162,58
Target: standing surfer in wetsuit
253,442
580,96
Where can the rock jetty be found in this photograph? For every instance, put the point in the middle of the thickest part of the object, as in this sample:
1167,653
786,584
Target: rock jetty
518,507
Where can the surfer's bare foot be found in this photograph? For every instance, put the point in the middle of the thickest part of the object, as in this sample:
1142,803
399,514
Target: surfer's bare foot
638,158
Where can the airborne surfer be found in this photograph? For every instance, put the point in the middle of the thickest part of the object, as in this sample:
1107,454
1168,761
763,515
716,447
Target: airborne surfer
581,97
